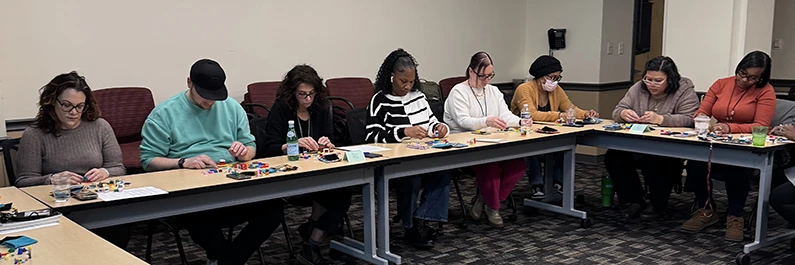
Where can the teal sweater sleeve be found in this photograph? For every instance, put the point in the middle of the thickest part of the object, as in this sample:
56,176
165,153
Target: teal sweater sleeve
156,135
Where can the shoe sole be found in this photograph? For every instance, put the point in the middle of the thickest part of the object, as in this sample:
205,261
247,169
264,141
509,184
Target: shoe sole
733,240
534,197
472,214
702,227
496,225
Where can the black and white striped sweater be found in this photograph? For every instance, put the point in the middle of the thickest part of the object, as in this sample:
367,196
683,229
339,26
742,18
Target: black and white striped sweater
389,115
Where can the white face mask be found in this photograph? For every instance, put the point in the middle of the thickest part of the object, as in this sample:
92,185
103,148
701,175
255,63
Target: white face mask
550,85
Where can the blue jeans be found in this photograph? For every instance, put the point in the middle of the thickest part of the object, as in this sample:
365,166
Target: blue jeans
534,168
433,201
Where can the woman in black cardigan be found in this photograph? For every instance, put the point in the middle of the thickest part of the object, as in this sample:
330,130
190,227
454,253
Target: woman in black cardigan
303,99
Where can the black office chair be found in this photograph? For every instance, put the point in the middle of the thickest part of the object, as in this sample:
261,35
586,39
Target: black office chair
9,157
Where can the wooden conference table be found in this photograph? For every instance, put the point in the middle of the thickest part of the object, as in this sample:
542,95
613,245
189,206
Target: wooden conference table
65,243
190,191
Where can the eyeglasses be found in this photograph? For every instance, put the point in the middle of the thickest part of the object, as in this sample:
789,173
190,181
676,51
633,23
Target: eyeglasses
744,75
68,107
488,76
553,77
653,82
306,95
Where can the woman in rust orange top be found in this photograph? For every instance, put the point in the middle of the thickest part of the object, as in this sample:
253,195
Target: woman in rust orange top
738,103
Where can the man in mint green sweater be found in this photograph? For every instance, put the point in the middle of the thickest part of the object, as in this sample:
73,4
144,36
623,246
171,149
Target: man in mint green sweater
196,129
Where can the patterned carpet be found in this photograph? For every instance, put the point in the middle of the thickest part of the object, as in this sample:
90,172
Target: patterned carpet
535,237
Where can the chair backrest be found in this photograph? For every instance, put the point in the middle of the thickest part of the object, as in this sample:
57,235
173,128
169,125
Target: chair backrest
126,109
259,128
262,93
438,110
10,149
357,90
357,121
447,84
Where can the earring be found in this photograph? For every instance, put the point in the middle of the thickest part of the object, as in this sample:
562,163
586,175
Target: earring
392,79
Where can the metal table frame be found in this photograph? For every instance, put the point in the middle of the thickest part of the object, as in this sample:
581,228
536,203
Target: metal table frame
749,157
434,162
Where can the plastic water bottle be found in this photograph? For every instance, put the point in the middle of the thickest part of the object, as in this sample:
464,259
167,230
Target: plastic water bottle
292,142
570,117
607,191
525,115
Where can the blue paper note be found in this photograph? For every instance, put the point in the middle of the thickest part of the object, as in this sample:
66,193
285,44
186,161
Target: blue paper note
639,128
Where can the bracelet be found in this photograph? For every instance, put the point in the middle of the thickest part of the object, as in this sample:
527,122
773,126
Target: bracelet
106,171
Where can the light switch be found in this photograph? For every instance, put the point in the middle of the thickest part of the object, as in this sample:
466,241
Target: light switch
778,44
609,48
620,48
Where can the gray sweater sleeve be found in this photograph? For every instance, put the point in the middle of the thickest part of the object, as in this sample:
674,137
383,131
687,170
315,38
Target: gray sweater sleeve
111,152
632,96
685,106
29,159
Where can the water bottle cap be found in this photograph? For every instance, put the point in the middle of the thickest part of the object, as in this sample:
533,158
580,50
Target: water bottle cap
291,122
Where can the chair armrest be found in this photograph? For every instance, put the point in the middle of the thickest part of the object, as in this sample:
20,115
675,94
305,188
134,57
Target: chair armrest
348,102
250,107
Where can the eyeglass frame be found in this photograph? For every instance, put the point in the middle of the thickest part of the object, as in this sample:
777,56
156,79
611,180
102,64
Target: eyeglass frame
550,78
651,82
305,95
486,77
743,74
73,107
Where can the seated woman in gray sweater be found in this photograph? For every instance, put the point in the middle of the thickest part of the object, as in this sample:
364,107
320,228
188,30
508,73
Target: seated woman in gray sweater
68,137
663,98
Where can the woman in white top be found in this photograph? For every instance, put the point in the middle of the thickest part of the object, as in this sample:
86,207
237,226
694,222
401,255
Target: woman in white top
474,105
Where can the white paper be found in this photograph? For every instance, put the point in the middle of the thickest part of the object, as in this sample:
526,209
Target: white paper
364,148
15,227
131,193
488,140
21,229
790,173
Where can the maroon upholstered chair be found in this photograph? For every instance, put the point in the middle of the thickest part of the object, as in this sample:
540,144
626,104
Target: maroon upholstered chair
126,109
447,84
350,92
260,97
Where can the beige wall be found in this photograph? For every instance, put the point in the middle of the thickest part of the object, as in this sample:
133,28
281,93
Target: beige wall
784,30
617,24
153,43
707,38
583,23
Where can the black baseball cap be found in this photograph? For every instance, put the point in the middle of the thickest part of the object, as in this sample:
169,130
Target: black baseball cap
208,79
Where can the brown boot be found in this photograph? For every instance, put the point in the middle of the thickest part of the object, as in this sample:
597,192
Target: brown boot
700,219
734,228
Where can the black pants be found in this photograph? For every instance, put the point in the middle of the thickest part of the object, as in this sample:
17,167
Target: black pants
205,229
118,235
782,197
660,173
737,179
337,202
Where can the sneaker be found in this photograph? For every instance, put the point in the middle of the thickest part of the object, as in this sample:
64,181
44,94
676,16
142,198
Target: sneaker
537,192
734,228
700,219
310,255
558,188
305,230
417,236
477,208
493,216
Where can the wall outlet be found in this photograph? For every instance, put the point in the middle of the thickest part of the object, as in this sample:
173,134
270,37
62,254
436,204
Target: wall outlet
620,48
609,48
778,44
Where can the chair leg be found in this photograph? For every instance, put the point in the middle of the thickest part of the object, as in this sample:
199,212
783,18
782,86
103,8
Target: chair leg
261,256
512,203
460,198
348,225
178,239
149,235
231,231
289,241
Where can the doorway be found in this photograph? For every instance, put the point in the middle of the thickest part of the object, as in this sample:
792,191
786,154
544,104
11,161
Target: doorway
648,35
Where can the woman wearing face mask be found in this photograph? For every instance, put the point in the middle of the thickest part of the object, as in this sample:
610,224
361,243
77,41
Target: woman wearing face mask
663,98
738,102
547,102
473,105
303,98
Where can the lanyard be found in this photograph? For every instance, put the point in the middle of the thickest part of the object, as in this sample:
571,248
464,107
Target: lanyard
301,130
483,109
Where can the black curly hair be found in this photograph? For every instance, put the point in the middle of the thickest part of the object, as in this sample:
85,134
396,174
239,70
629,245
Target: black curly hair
307,75
397,61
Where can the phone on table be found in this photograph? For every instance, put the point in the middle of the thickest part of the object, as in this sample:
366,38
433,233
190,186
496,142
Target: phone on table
372,155
547,130
328,158
85,195
241,175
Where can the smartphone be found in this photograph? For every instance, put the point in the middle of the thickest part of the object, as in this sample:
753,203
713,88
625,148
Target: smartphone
330,158
85,195
372,155
547,130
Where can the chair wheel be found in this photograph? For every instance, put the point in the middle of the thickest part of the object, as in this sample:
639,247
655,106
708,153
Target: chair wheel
396,219
512,218
743,259
580,199
585,223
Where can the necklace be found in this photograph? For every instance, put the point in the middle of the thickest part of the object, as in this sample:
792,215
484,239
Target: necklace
478,98
301,130
730,115
655,103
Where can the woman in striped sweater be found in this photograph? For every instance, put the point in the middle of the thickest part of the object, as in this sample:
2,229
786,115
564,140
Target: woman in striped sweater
399,110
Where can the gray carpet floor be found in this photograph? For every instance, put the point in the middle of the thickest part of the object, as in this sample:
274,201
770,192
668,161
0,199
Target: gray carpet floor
536,237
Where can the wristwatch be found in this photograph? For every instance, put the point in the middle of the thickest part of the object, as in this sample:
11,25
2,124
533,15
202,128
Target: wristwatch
181,162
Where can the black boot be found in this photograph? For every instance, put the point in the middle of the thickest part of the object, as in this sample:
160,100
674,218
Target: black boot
418,235
305,229
310,255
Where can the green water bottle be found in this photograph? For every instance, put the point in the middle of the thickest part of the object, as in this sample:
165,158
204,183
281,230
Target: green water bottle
292,142
607,191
